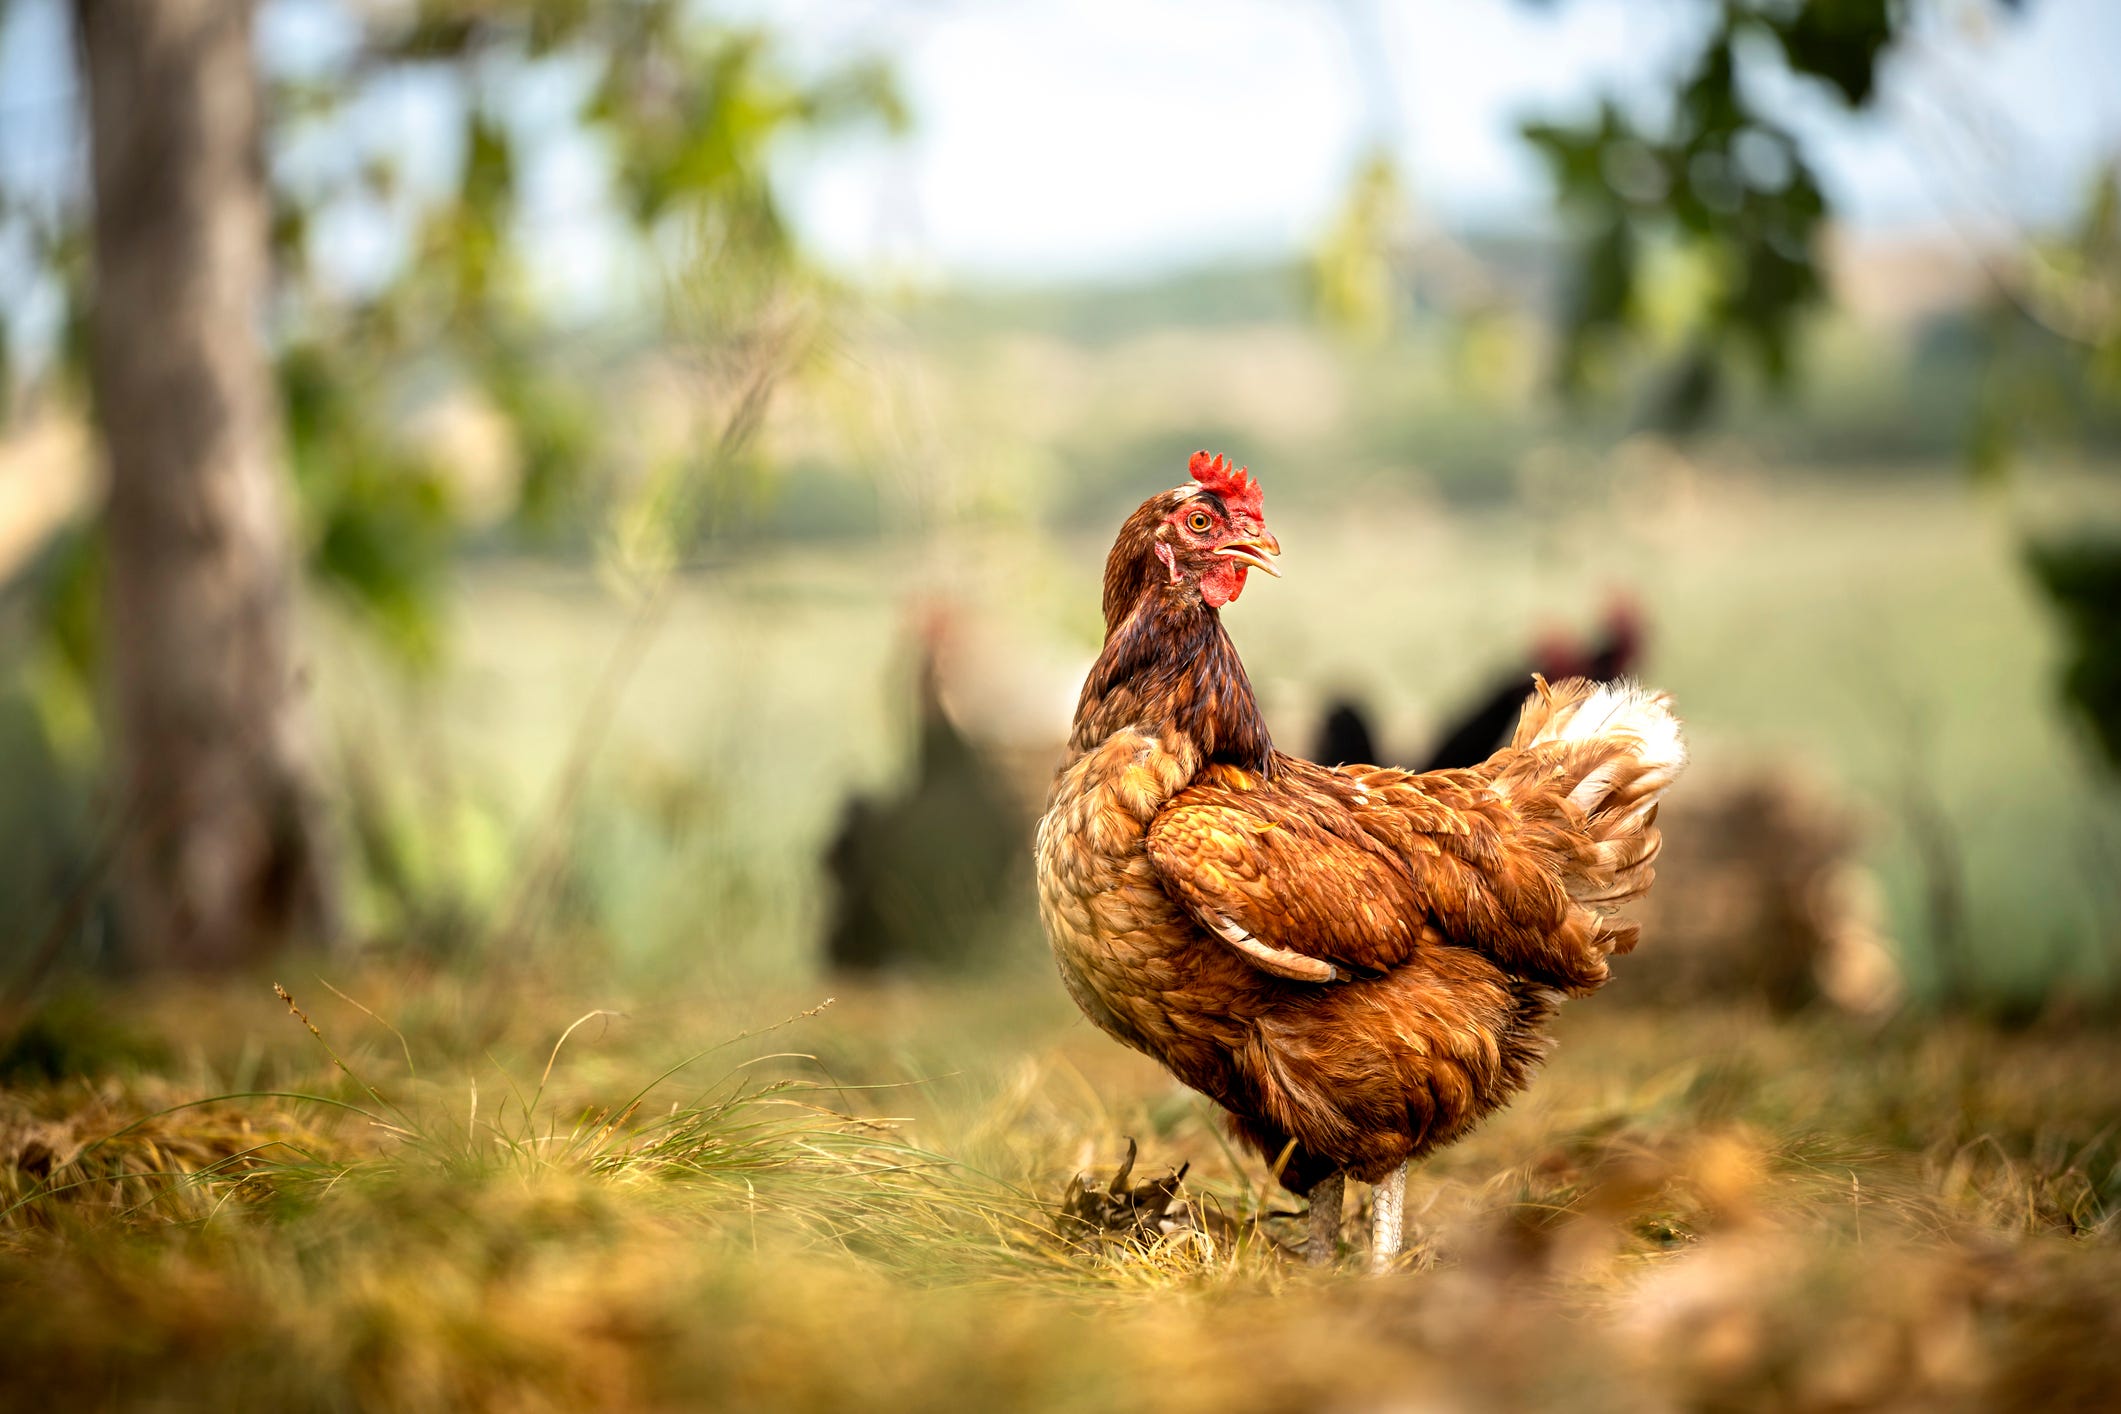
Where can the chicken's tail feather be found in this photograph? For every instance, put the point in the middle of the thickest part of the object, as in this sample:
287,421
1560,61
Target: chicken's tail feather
1581,710
1619,749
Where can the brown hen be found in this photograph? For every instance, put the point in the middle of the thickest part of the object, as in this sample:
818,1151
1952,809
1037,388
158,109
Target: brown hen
1357,963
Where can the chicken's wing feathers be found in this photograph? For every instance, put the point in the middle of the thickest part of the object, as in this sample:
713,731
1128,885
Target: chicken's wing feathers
1279,961
1286,878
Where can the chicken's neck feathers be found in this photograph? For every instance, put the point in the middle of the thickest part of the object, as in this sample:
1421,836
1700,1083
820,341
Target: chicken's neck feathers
1169,666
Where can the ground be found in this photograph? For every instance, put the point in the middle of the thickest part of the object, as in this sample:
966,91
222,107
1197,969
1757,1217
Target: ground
1706,1207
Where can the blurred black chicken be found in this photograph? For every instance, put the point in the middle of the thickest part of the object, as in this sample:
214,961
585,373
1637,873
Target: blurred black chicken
1485,725
2082,578
919,879
1344,735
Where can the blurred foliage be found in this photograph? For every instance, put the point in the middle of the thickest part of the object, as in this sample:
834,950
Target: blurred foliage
2054,377
1723,184
382,518
1718,197
1354,283
683,111
677,110
2053,334
444,376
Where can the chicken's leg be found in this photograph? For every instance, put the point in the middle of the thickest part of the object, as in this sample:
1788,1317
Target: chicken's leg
1388,1209
1322,1242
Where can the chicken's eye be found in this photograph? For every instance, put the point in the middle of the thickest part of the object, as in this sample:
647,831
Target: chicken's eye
1199,522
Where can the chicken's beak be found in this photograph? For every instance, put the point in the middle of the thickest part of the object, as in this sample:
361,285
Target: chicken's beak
1253,550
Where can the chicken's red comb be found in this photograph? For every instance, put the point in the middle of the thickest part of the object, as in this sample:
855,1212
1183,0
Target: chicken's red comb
1238,490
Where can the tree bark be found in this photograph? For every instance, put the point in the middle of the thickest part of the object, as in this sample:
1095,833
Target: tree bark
223,856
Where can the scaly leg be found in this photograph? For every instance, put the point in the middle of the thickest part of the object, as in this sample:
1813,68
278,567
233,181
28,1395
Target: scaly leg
1388,1210
1322,1242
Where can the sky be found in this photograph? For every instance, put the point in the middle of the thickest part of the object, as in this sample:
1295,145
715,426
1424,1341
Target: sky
1064,139
1059,138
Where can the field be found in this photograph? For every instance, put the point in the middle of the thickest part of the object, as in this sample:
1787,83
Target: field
1877,636
600,1143
1700,1210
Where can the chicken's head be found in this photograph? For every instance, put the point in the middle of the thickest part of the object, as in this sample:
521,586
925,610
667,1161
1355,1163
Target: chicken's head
1216,532
1196,541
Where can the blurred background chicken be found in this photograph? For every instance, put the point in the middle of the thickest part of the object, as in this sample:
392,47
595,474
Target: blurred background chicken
918,876
1484,723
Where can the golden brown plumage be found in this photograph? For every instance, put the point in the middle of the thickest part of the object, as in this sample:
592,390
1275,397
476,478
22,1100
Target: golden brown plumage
1357,963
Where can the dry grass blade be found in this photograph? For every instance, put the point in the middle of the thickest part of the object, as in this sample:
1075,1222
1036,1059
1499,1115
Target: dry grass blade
545,1078
181,1160
411,1068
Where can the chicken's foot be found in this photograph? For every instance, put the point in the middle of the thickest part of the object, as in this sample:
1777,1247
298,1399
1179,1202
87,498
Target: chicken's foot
1322,1242
1388,1211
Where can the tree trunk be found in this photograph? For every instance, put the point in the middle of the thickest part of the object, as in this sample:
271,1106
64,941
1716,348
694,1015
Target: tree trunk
222,859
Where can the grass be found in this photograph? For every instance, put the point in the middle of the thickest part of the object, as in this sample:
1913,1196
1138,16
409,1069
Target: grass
1690,1209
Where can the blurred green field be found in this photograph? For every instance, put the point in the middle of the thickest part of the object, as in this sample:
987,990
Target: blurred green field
1876,636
